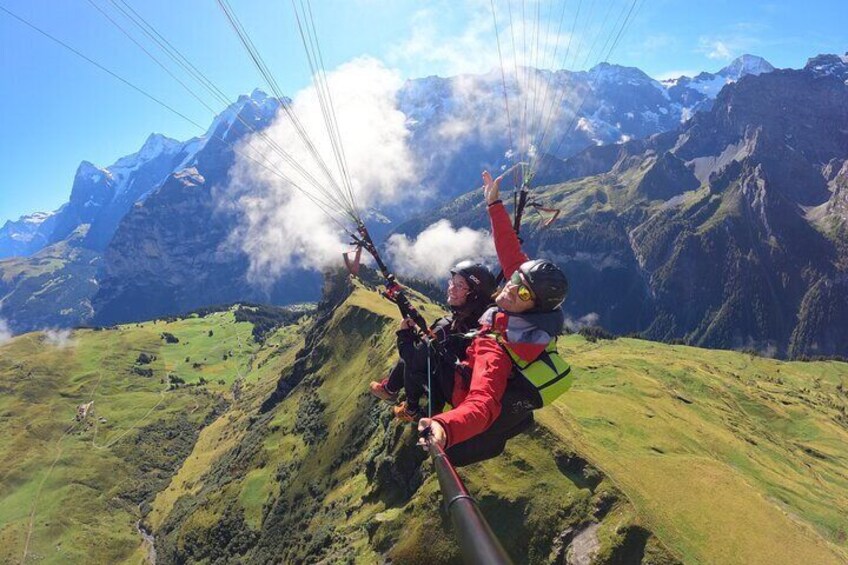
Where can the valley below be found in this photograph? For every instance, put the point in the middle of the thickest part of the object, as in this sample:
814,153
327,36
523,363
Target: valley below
226,444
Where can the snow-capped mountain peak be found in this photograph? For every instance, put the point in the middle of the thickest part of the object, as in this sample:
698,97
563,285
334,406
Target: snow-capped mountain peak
746,65
829,65
617,74
90,172
696,93
31,220
263,105
156,144
25,235
36,218
258,95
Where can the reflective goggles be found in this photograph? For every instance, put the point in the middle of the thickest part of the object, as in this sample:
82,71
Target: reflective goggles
524,292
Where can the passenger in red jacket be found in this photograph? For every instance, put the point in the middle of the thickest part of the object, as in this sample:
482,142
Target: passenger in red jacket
496,403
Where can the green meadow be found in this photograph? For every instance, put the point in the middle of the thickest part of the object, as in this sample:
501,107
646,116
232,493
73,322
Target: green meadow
230,450
729,458
71,489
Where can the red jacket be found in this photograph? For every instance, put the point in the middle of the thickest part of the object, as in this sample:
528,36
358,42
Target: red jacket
477,404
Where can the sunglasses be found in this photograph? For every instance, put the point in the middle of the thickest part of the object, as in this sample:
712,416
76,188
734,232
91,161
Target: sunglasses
524,292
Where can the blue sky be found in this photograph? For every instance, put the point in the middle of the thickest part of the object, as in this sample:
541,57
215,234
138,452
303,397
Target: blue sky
59,110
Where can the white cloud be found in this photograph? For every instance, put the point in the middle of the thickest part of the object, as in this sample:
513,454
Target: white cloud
737,40
540,37
5,332
539,108
538,104
589,320
437,249
716,49
58,338
474,113
763,348
428,47
281,227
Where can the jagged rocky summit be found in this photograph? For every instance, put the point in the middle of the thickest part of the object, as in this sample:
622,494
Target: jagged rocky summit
185,260
728,233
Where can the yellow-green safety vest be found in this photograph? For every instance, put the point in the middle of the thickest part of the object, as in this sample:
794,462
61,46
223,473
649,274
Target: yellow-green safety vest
549,372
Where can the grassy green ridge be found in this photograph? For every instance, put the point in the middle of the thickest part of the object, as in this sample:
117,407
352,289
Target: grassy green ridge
72,491
728,457
677,452
328,475
658,454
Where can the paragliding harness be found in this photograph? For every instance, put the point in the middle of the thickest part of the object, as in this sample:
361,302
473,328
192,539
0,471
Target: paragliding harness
436,350
549,374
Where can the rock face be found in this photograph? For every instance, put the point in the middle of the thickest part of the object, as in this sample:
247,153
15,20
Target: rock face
26,235
154,236
171,251
667,177
728,233
694,94
833,65
773,143
101,197
170,254
745,264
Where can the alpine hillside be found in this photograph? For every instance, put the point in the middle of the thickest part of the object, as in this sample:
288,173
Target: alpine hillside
729,232
156,227
245,434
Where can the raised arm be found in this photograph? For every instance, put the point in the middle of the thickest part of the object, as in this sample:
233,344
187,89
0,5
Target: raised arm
507,245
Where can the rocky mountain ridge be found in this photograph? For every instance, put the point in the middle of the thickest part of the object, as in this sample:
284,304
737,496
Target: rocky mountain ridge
27,234
696,93
728,233
178,268
617,103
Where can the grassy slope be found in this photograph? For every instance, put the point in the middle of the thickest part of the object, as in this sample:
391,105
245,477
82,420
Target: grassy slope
225,433
52,288
248,488
335,483
728,457
725,457
81,482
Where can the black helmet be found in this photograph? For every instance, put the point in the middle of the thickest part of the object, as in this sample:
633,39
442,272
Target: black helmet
479,278
547,281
